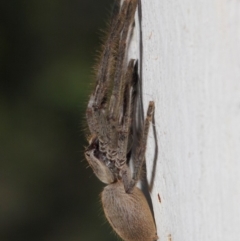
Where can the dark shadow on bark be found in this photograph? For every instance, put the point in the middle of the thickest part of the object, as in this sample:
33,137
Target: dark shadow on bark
155,155
146,187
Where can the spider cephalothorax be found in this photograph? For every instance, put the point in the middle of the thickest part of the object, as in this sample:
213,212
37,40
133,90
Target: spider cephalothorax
110,114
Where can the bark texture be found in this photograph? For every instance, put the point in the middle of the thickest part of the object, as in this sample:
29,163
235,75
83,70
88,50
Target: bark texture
191,70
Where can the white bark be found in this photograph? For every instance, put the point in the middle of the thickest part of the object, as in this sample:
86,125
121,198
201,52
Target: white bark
191,69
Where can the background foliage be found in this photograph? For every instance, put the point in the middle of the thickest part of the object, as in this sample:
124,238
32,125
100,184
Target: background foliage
47,50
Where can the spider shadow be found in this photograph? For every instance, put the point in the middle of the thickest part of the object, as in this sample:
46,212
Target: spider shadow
146,187
155,158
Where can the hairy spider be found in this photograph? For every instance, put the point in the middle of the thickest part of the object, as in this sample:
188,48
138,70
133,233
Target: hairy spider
111,126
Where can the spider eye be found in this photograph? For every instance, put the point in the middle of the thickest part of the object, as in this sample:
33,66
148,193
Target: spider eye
96,153
108,163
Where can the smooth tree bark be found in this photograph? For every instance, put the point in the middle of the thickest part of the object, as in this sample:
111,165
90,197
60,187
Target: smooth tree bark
191,70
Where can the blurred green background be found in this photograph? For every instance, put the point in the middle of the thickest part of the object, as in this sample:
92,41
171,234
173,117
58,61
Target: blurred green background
47,50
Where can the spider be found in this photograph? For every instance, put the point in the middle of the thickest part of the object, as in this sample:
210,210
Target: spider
110,114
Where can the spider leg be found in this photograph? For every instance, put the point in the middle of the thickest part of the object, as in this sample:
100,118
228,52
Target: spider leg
97,101
126,117
131,77
119,79
107,60
139,157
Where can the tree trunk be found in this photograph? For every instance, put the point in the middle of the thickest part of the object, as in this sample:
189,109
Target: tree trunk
191,70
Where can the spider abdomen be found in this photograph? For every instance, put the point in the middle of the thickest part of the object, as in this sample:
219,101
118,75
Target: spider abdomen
129,214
